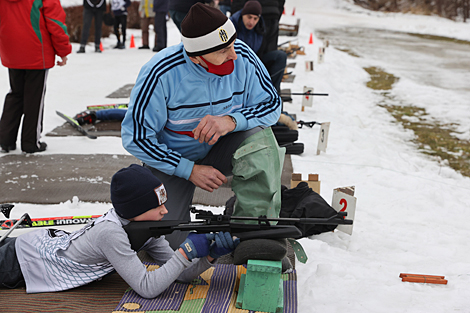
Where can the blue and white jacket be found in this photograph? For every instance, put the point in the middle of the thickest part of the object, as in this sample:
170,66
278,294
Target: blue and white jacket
172,94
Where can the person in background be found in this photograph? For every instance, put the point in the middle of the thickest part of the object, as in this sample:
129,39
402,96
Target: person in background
146,18
251,29
119,8
196,114
272,12
28,49
92,9
49,260
160,7
225,5
179,8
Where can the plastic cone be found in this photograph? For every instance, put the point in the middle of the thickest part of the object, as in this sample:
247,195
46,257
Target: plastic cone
132,45
284,12
293,12
310,41
101,47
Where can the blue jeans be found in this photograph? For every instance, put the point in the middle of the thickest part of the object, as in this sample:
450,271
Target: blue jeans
10,271
224,8
275,63
111,114
88,15
177,18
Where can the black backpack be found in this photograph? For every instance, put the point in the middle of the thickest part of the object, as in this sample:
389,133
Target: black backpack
299,202
302,201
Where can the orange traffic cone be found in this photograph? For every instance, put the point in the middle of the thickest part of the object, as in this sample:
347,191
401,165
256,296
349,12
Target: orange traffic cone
293,12
284,12
310,41
132,45
101,47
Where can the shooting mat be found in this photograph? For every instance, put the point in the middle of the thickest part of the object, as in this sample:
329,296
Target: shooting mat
215,288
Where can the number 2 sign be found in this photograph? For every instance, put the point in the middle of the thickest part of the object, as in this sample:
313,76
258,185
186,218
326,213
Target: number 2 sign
343,202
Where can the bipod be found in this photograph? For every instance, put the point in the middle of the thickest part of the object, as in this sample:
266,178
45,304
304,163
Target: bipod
23,219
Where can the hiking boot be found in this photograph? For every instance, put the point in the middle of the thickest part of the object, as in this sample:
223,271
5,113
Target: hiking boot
118,45
122,46
8,148
144,47
86,117
81,50
97,49
42,147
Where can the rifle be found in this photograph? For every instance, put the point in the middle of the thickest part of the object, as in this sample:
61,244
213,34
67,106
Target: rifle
140,232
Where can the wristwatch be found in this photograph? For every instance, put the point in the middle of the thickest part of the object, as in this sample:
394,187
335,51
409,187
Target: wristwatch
234,121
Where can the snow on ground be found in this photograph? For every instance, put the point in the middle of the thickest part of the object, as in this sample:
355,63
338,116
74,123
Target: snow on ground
411,209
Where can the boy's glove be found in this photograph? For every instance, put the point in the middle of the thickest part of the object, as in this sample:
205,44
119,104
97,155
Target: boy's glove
197,245
223,244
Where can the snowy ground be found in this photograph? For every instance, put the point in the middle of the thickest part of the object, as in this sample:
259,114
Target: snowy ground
411,209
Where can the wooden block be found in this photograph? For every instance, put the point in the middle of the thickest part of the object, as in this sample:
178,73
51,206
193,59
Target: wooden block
420,275
280,297
312,177
424,280
241,291
312,182
261,290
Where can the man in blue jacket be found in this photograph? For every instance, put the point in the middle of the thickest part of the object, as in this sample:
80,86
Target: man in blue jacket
202,110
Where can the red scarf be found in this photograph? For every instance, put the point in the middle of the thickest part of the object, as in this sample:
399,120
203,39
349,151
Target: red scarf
222,69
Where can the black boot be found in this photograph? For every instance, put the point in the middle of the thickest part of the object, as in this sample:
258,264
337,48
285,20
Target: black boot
41,148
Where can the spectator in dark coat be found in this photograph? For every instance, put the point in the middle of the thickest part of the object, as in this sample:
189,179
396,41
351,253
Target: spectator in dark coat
272,12
92,9
251,29
225,6
119,8
160,7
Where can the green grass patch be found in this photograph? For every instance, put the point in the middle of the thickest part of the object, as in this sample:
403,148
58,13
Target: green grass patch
431,136
440,38
379,79
351,53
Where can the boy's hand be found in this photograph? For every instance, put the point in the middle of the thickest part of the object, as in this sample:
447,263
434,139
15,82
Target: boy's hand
223,245
197,245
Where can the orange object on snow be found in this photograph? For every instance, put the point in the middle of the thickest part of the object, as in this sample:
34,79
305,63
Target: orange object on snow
132,45
426,279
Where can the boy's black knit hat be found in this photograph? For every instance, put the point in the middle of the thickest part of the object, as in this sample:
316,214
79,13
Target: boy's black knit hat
135,190
252,7
206,29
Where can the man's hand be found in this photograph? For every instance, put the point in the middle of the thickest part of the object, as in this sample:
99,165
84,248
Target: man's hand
207,177
211,128
62,62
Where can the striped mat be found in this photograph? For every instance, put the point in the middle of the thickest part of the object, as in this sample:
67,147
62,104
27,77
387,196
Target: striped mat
215,291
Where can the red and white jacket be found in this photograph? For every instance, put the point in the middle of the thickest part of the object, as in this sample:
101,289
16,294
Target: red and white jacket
32,33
